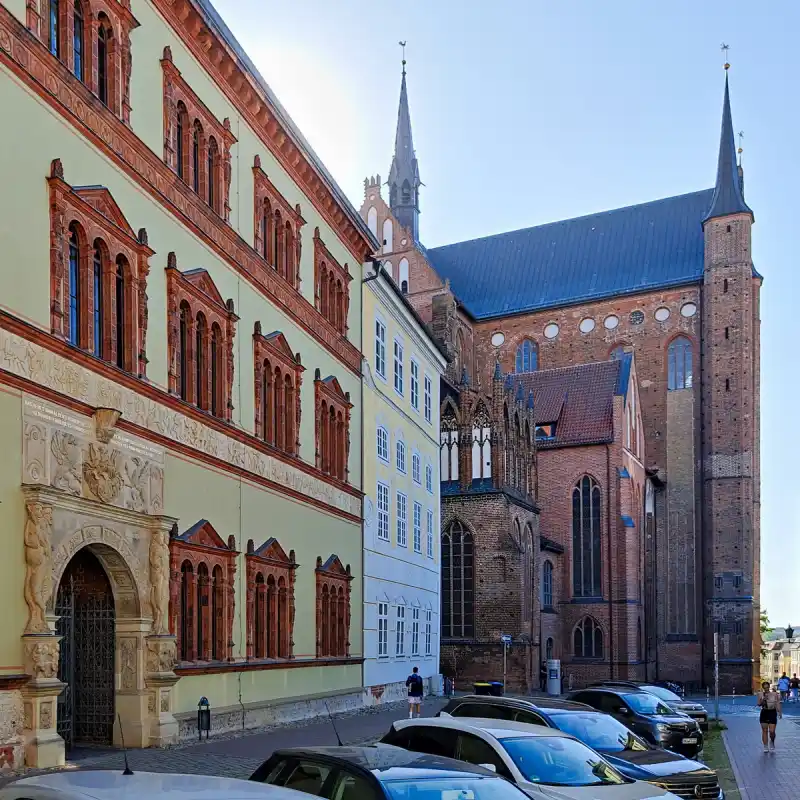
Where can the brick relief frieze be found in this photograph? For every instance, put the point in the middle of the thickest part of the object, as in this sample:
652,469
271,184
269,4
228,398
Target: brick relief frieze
30,361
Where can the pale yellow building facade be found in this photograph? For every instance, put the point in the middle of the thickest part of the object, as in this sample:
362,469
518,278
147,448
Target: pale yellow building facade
180,387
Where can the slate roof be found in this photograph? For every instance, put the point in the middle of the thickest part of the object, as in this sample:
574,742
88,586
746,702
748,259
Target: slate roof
578,399
623,251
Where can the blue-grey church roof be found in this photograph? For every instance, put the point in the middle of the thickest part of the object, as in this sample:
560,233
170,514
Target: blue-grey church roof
624,251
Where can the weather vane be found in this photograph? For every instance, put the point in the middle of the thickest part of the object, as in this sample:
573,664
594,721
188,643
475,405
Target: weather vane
741,136
724,47
403,45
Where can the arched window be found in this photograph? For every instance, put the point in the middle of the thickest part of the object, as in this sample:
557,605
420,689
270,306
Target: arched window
448,448
187,610
288,416
74,285
183,354
201,608
547,584
403,275
102,62
588,639
216,360
197,133
679,359
458,611
217,613
406,192
372,220
388,236
272,603
200,360
260,617
548,648
527,357
266,231
266,405
77,39
213,172
277,256
277,404
481,444
288,253
181,132
119,303
325,613
97,305
617,353
55,44
586,538
283,619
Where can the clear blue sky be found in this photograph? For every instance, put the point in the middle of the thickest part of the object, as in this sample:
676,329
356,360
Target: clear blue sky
527,111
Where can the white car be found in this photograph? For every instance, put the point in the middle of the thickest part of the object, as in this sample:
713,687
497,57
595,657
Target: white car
545,763
107,785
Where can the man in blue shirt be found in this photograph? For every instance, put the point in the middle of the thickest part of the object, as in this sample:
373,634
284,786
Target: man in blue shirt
415,692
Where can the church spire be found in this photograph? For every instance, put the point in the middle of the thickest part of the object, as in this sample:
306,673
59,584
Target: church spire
404,179
728,193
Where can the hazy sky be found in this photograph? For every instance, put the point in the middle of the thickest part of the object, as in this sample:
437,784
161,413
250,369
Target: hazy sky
530,111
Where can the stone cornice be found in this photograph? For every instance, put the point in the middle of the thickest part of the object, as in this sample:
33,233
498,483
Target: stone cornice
52,81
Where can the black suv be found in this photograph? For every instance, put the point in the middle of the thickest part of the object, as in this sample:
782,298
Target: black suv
694,710
631,755
646,715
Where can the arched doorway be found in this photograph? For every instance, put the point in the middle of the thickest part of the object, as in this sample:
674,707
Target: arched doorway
85,607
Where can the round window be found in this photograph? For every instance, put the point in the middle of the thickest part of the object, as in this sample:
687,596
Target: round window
662,314
587,325
637,317
551,331
611,322
688,310
498,339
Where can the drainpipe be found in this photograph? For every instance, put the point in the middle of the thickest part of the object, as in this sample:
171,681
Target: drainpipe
610,601
363,496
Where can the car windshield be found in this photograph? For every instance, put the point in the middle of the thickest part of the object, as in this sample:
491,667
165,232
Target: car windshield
453,789
646,703
559,761
663,694
599,731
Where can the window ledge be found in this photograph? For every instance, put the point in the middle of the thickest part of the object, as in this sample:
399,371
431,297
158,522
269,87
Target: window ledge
215,667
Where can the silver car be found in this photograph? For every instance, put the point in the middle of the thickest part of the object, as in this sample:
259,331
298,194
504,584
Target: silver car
545,763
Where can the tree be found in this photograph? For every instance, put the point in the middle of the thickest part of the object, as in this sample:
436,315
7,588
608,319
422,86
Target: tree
764,629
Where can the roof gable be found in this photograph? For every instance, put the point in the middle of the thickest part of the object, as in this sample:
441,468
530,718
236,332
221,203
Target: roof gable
100,199
623,251
271,550
334,567
278,342
203,282
203,534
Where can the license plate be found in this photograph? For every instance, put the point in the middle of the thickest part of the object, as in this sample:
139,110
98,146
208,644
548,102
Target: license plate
690,740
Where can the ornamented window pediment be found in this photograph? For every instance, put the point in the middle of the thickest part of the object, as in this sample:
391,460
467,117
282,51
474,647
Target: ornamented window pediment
332,423
331,286
203,534
333,608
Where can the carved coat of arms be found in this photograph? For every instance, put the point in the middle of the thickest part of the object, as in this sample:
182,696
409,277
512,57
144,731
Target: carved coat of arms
101,471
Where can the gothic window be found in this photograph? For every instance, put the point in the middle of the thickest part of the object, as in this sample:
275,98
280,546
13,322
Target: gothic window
448,447
197,136
74,285
212,170
481,444
200,340
332,421
332,292
547,584
403,275
103,43
527,357
372,220
203,569
270,600
98,296
679,360
181,149
277,250
388,236
588,639
458,613
53,29
527,573
333,608
77,40
406,192
586,538
278,377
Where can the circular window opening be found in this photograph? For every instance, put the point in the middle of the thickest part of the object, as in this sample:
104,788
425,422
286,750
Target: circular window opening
637,317
498,339
662,314
688,310
587,325
551,331
611,322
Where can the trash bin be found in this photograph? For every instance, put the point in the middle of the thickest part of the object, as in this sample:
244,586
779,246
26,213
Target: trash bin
482,687
554,677
496,688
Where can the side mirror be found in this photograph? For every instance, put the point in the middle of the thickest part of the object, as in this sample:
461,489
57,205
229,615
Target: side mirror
444,714
622,710
490,767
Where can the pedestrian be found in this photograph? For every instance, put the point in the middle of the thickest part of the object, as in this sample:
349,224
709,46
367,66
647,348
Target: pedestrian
794,685
770,704
415,692
543,677
783,686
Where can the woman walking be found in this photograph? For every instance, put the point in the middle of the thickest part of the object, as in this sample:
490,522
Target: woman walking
770,704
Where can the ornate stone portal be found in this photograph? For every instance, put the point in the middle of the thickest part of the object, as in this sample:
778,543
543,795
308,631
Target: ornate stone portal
88,485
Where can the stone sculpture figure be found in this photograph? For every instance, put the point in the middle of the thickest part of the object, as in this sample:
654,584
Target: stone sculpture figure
43,656
159,582
38,565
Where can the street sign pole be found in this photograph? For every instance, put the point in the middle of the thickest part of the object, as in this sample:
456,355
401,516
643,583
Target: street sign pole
506,640
716,675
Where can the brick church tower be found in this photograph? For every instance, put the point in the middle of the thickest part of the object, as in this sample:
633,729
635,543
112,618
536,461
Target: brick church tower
730,427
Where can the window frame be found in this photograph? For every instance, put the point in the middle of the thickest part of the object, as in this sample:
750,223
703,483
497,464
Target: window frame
332,454
429,478
383,510
587,581
380,348
400,457
414,383
330,274
458,598
417,526
527,351
680,376
400,631
547,584
382,453
428,398
428,632
383,629
416,467
398,356
333,576
429,533
401,528
415,631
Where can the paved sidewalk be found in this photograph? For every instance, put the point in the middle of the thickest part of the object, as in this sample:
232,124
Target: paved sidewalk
238,756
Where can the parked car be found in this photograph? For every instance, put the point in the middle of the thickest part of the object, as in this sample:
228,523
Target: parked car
696,711
380,772
646,715
543,762
108,785
630,754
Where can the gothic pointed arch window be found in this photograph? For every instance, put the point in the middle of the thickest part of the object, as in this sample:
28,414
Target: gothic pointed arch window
586,558
527,359
481,444
587,639
448,446
547,584
458,583
74,285
679,363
